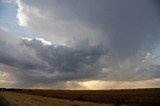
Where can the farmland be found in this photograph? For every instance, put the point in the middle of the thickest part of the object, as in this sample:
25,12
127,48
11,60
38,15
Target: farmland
17,99
142,97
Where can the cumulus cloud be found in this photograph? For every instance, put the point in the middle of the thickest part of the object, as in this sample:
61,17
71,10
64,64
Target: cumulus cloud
65,58
89,40
66,63
123,28
13,54
118,23
54,25
34,60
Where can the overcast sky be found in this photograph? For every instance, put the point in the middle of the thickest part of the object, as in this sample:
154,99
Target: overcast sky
79,44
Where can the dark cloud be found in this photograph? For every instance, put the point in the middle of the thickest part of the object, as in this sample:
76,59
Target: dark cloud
67,63
31,61
67,59
125,26
34,63
130,25
101,39
15,55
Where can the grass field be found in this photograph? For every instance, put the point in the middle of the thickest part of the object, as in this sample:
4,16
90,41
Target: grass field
3,101
117,97
17,99
140,97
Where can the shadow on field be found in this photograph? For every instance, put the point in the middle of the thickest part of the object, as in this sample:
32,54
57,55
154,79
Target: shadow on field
4,102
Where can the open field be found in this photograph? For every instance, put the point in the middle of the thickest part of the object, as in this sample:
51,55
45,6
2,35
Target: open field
142,97
3,101
17,99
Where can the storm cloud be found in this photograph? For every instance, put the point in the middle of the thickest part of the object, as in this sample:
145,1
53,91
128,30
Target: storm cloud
34,61
65,58
105,40
117,23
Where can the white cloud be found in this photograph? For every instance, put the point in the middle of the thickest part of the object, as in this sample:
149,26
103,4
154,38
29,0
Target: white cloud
23,19
48,20
45,42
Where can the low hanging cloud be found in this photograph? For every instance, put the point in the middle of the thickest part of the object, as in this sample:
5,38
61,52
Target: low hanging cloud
13,54
34,60
125,30
64,58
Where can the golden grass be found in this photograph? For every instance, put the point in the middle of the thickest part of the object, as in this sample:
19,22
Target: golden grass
17,99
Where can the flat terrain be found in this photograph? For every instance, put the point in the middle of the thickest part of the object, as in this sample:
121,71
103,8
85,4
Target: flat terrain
143,97
131,97
17,99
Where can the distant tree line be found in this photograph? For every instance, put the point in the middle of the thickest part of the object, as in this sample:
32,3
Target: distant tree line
13,89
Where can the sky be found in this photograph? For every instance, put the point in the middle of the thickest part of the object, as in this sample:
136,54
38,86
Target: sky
80,44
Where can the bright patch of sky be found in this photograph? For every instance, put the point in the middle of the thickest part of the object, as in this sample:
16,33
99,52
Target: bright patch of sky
9,21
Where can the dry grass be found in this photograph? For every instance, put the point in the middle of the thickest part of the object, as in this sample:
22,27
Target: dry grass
4,102
17,99
140,97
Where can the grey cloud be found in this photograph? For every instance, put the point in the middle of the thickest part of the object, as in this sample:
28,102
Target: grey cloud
67,63
13,54
64,58
128,30
126,25
31,61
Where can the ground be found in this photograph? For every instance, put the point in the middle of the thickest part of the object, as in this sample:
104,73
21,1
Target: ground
16,99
